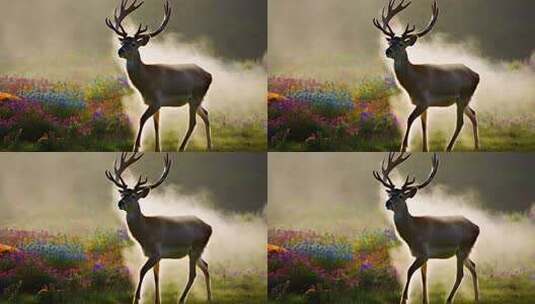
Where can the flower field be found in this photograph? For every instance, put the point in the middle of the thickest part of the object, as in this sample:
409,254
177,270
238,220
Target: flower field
309,267
37,114
42,267
309,115
319,116
50,268
44,115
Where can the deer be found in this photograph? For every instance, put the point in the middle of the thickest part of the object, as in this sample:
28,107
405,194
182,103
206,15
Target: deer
161,85
428,85
160,237
428,237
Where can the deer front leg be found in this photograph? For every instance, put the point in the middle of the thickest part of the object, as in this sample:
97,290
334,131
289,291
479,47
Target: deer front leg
459,278
415,265
191,278
204,267
156,119
203,113
472,267
148,265
191,127
156,270
424,130
424,282
473,118
415,113
458,127
148,113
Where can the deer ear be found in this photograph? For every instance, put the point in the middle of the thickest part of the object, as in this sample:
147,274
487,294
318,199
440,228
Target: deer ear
411,193
143,193
143,40
411,40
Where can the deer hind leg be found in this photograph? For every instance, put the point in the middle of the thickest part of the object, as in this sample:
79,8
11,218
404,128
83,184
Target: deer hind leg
146,267
424,282
473,118
148,113
156,119
458,127
419,262
203,113
459,278
191,126
472,268
192,274
424,130
204,267
415,113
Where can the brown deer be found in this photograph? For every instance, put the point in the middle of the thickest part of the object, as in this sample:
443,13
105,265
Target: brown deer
161,85
428,85
160,237
428,237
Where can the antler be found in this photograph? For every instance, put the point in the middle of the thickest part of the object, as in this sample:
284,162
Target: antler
393,162
167,165
390,13
120,15
124,162
125,10
167,16
431,175
432,22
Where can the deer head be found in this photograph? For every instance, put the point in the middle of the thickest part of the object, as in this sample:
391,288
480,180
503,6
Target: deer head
399,43
130,44
130,196
397,196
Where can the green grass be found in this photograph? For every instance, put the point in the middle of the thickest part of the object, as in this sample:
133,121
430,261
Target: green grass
493,290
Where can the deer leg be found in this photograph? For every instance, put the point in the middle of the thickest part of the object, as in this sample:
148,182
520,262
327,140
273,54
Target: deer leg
424,130
204,267
203,113
415,113
472,267
473,118
148,113
156,119
156,270
460,122
419,262
424,282
191,278
148,265
191,127
460,274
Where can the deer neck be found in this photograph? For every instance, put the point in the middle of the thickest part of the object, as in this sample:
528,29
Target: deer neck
402,68
136,223
135,68
404,223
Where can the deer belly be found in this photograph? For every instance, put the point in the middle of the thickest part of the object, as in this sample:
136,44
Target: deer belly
441,253
175,100
174,252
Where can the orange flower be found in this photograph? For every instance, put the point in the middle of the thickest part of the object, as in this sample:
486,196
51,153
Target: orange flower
6,97
274,97
274,249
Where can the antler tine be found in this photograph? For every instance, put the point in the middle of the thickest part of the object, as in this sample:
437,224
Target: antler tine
434,169
120,13
124,162
167,16
392,162
167,166
432,22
